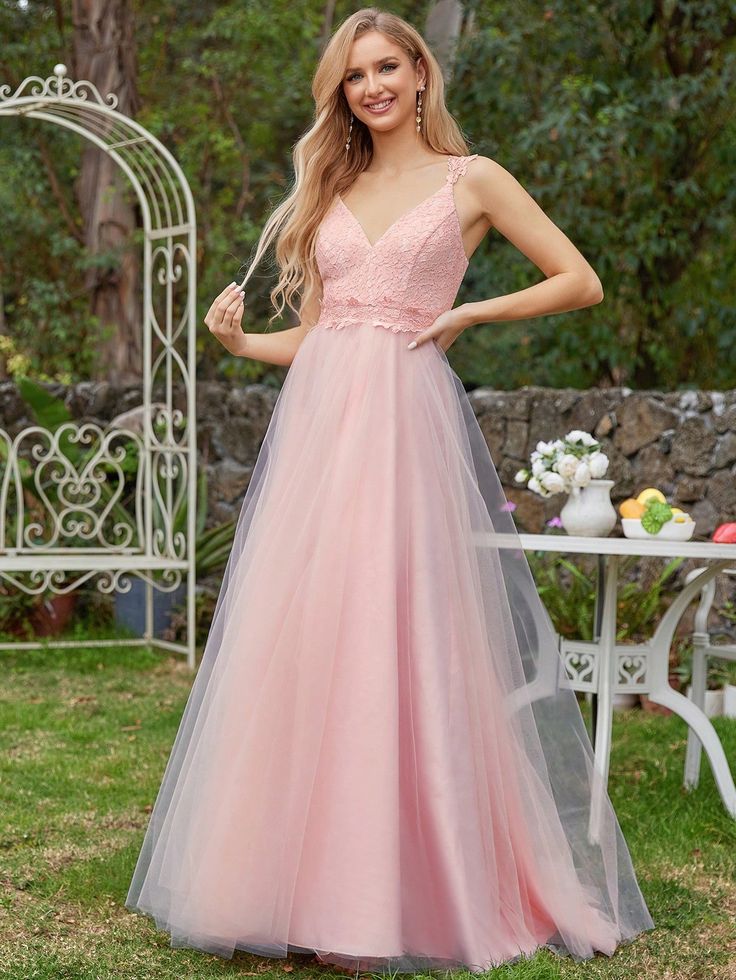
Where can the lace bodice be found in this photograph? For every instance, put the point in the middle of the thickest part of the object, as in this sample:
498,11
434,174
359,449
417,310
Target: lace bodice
407,277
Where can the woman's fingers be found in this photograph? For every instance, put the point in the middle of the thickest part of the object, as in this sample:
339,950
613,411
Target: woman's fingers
227,293
223,307
224,318
234,311
238,316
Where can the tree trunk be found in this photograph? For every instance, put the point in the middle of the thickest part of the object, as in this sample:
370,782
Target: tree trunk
443,28
105,54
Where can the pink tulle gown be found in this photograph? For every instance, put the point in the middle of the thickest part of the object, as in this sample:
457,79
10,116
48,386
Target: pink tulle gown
381,759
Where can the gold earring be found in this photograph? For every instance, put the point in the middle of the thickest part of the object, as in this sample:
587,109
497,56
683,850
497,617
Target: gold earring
419,109
350,131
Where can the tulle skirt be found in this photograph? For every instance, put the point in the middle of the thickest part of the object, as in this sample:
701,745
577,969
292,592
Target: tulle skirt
381,759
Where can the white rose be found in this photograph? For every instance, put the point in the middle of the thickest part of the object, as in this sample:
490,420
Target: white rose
552,482
567,464
538,466
575,435
581,477
534,485
520,476
598,464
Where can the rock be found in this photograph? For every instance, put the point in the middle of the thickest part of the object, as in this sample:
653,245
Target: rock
515,444
493,427
640,420
692,447
227,481
652,468
688,489
721,493
725,451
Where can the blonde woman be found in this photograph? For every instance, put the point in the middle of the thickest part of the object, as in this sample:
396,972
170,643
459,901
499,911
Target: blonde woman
381,762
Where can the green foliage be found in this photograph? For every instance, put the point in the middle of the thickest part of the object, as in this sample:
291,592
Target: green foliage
618,119
655,515
568,589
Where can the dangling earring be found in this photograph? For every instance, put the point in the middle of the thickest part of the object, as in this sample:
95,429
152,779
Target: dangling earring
350,131
419,109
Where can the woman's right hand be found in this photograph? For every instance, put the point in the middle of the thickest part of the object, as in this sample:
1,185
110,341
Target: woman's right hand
224,316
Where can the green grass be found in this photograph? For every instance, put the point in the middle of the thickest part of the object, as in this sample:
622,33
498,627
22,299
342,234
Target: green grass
84,738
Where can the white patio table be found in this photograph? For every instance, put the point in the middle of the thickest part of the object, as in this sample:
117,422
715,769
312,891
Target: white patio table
604,667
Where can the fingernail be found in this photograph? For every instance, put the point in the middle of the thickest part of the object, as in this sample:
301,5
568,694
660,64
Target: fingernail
412,345
232,285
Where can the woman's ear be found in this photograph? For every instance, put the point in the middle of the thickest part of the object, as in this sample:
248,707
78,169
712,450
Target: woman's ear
421,72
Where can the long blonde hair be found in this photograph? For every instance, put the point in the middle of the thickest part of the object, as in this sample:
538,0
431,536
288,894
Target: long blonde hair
321,166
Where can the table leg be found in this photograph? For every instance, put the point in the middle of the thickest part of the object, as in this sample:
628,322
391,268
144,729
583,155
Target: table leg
600,584
661,692
607,677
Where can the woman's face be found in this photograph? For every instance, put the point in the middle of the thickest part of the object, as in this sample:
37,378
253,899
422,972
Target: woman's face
380,72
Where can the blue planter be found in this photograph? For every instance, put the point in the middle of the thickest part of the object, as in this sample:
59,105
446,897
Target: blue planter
130,607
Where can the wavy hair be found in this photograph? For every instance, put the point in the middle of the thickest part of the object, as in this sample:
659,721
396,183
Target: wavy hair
321,166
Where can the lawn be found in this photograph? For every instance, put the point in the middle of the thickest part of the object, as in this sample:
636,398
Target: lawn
85,736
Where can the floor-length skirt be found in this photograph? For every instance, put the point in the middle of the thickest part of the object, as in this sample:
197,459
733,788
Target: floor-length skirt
381,758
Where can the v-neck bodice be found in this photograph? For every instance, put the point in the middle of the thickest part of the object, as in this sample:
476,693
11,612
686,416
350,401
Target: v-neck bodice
408,276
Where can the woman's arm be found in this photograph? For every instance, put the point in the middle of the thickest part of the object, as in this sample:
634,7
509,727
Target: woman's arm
571,282
224,321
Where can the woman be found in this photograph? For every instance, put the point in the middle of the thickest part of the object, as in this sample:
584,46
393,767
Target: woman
381,760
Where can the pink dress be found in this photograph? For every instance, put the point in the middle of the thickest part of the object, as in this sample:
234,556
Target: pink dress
381,759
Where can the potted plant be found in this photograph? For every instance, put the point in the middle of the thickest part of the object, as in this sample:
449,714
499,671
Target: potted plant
718,679
573,465
211,549
39,613
728,611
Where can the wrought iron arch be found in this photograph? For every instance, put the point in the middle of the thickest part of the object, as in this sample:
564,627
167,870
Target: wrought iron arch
88,523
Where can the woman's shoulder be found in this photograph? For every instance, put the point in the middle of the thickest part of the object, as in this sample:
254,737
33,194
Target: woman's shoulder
484,172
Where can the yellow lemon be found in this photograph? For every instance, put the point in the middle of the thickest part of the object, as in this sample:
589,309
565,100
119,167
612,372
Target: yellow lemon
651,492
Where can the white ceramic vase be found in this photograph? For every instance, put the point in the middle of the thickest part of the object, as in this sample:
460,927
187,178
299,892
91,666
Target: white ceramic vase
588,510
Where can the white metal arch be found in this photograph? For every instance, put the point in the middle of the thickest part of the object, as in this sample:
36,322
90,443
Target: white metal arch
82,527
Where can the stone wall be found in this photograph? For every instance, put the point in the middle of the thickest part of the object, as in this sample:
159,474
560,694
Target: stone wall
682,442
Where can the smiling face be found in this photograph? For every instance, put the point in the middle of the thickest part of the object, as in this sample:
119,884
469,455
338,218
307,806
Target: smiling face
381,83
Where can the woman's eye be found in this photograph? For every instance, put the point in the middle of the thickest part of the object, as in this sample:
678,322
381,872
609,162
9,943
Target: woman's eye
355,74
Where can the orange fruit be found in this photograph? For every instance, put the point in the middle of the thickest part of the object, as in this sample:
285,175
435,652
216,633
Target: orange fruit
631,508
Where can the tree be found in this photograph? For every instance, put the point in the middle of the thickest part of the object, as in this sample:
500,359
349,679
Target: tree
619,119
105,54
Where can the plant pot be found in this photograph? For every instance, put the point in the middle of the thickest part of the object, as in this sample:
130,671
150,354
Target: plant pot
52,614
130,607
729,700
653,707
713,702
625,700
588,511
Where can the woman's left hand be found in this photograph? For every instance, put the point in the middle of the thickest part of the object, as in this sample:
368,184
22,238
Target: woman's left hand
445,330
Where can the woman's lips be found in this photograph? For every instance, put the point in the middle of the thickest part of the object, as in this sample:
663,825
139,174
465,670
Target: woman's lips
378,112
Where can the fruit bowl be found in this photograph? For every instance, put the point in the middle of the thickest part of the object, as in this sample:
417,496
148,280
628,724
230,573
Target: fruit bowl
670,530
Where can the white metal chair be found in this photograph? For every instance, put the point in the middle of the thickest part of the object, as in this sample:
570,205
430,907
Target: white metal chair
702,649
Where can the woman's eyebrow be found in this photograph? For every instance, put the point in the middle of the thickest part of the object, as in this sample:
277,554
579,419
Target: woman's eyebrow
379,62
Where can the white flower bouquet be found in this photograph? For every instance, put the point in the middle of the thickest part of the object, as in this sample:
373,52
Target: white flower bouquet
564,465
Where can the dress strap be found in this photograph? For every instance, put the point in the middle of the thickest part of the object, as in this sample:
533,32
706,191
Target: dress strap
456,167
